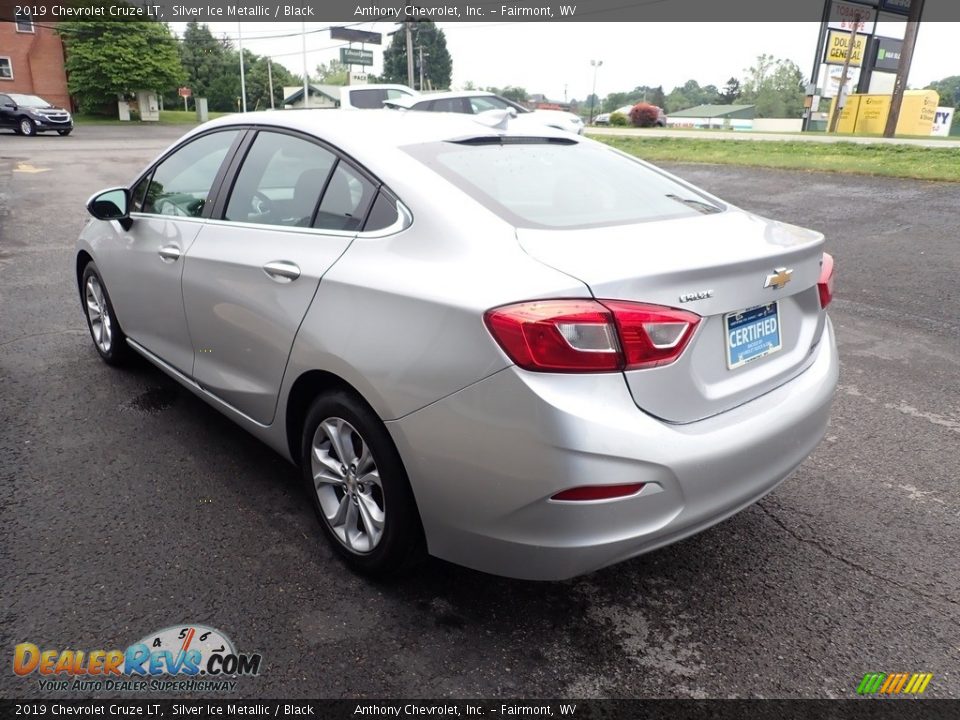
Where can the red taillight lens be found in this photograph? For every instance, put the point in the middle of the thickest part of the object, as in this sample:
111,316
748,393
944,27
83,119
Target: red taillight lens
825,283
598,492
590,335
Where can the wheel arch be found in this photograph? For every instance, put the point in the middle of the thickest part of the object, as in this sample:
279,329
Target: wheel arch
83,259
303,392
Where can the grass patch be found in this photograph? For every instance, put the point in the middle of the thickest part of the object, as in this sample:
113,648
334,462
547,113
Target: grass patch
903,161
167,117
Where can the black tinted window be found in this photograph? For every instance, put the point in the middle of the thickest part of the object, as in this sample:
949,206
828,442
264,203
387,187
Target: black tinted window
280,181
181,183
454,105
345,201
383,214
368,98
553,184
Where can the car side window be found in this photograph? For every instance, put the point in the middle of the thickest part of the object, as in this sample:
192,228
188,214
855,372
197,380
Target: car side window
368,99
482,103
5,100
280,181
182,182
454,105
383,214
139,193
345,201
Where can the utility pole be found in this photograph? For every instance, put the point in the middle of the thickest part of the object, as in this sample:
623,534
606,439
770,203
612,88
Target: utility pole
243,82
593,96
270,81
903,67
841,98
420,49
408,25
306,76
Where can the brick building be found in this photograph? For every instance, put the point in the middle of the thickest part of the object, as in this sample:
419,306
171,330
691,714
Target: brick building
31,62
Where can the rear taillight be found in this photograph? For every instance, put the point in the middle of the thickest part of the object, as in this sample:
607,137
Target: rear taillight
590,335
825,283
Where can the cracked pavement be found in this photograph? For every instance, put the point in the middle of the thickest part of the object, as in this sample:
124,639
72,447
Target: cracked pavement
128,505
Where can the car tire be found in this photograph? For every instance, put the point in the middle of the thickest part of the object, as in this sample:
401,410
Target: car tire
64,133
356,481
108,338
27,126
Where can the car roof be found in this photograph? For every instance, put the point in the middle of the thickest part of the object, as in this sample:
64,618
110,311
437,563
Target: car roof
362,132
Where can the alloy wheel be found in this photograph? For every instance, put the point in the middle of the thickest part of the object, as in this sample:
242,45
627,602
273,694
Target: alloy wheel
347,483
99,314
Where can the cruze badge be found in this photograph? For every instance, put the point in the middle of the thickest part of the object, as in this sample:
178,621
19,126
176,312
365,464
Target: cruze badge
702,295
779,278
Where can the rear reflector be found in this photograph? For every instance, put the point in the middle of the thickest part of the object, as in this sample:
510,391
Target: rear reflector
598,492
590,335
825,283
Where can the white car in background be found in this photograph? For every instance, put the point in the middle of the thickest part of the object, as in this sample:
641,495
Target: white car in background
475,102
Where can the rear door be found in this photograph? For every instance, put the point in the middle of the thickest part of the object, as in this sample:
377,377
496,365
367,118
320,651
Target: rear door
293,209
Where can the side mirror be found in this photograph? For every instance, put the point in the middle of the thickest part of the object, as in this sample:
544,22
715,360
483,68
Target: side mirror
9,106
113,204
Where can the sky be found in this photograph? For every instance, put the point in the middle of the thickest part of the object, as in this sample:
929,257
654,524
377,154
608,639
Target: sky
554,58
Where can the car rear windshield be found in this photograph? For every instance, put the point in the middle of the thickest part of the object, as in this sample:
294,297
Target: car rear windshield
555,183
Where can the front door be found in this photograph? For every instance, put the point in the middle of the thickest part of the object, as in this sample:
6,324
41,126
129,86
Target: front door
144,274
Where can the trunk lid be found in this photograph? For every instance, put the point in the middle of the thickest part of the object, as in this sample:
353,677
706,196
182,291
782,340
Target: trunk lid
719,264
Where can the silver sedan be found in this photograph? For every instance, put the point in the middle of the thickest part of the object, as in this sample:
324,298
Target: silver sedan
512,348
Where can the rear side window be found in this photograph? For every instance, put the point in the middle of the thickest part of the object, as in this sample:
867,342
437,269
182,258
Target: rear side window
345,201
280,181
182,182
532,182
383,214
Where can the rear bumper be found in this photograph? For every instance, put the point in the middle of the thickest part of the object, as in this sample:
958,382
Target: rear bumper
484,462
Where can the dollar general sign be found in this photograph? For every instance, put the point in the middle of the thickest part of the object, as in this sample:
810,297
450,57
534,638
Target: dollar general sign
837,43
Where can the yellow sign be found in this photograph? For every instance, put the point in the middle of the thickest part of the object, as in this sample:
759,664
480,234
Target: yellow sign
867,114
837,43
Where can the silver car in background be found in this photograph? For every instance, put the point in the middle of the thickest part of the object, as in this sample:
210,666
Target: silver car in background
515,349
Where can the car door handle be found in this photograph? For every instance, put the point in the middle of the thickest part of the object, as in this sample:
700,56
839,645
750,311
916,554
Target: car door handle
282,271
169,253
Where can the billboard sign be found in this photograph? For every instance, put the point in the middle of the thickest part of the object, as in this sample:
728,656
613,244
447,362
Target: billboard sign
353,56
900,7
351,35
943,121
844,15
836,50
888,54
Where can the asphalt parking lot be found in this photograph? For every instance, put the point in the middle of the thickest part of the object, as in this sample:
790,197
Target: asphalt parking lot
127,505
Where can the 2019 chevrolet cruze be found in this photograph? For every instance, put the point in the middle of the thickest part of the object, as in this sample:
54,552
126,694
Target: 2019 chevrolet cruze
516,349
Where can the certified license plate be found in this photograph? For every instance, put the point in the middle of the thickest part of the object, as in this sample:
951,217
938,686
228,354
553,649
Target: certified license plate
752,334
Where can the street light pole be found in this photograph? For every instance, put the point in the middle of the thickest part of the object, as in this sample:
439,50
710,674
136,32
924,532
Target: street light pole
595,64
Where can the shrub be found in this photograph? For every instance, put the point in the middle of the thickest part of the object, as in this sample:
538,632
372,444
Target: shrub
644,115
618,119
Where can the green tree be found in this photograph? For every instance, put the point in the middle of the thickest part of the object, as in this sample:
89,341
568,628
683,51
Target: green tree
204,58
689,95
437,63
257,76
333,73
109,58
731,92
948,89
511,92
775,87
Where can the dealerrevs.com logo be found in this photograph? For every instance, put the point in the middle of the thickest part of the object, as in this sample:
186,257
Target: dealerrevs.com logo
176,659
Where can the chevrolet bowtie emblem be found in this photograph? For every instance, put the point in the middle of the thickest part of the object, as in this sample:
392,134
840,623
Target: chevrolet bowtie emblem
779,278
